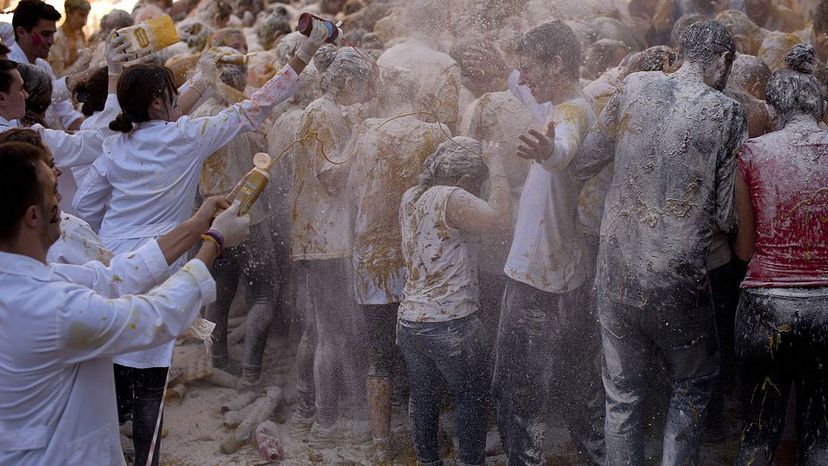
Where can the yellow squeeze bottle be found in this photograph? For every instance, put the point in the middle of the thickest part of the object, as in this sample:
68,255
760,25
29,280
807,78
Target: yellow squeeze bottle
251,186
150,36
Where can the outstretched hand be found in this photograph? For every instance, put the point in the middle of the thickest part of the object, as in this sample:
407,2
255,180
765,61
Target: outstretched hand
537,146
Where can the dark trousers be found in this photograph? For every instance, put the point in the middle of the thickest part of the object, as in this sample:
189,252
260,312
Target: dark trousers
782,341
440,356
254,259
686,340
724,285
547,352
139,393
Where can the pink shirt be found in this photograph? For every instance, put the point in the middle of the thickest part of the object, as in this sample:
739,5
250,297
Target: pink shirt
787,174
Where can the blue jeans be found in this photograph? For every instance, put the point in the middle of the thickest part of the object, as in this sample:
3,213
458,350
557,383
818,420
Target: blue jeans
686,339
547,355
440,355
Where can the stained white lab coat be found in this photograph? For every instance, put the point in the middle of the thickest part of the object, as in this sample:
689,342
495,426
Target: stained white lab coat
60,325
77,244
149,178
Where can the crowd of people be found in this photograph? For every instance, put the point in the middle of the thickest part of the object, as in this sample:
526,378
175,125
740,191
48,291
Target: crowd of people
521,212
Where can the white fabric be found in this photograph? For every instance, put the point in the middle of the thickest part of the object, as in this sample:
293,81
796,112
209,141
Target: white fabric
98,120
321,214
442,281
149,178
548,250
77,244
70,150
60,325
61,114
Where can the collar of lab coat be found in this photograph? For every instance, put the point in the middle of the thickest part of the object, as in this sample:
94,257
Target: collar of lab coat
18,264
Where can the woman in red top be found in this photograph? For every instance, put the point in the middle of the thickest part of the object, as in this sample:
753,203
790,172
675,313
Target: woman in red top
782,321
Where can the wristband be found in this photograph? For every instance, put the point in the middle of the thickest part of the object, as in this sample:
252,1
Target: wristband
210,239
217,238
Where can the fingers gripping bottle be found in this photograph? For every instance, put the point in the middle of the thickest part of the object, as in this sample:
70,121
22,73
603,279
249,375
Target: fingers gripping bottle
251,186
306,26
149,36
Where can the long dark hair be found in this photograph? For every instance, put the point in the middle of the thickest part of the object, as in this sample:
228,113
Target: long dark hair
137,88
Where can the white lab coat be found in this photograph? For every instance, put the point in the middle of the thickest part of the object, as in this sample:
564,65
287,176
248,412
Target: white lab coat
150,177
60,325
61,113
77,244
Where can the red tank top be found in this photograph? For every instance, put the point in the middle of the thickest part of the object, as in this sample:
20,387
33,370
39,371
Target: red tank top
787,174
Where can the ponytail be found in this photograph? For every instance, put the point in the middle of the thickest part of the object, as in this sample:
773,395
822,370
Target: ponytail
122,123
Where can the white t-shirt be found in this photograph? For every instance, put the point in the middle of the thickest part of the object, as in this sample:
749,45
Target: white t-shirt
442,283
321,212
548,249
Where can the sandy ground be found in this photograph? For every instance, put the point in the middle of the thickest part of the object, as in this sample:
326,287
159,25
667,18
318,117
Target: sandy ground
195,429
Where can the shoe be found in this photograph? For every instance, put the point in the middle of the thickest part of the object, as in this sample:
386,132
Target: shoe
327,437
300,426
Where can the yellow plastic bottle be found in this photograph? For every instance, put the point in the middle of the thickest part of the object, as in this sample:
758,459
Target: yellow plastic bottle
149,36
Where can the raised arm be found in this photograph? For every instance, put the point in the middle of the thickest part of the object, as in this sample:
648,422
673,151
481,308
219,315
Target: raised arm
467,212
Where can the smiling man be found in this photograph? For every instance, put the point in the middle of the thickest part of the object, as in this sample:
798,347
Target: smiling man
546,324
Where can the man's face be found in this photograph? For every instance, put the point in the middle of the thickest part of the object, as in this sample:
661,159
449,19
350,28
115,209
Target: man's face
76,19
49,206
14,102
538,77
39,40
719,72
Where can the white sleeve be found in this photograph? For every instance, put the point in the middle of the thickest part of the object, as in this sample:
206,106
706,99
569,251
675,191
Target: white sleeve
72,150
78,245
92,195
91,326
212,133
128,273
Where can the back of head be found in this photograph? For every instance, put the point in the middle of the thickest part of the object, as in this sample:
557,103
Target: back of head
273,28
737,22
705,42
92,92
657,58
116,19
348,68
29,12
794,90
287,46
26,135
19,185
398,86
459,158
748,73
138,86
681,25
552,39
38,85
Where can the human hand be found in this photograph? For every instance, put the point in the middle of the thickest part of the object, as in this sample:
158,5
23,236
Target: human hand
205,214
206,69
541,148
116,55
317,37
231,226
